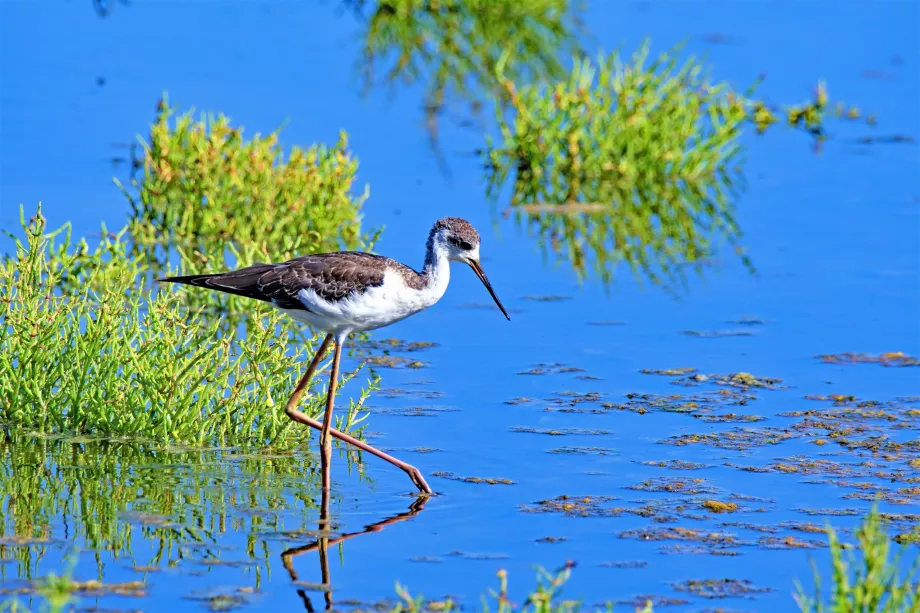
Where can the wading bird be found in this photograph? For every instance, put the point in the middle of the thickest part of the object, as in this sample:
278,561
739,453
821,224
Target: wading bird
348,291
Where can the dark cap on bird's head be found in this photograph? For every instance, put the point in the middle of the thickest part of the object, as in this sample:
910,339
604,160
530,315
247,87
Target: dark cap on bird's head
459,232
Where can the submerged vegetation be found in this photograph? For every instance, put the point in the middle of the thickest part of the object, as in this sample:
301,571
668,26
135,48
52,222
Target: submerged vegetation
117,495
453,47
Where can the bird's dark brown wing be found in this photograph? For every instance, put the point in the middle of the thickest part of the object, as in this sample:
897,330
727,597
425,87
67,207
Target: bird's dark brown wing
332,276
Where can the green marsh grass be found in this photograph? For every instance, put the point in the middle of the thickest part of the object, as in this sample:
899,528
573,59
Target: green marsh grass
204,186
108,357
870,581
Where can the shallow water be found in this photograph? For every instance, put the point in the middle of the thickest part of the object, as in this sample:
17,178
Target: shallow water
834,237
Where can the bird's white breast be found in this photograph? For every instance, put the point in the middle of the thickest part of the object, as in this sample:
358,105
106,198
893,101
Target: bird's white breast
372,308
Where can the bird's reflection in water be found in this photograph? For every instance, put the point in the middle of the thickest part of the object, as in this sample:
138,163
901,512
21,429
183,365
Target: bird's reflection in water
324,541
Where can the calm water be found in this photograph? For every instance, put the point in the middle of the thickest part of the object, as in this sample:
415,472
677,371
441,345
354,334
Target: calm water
835,237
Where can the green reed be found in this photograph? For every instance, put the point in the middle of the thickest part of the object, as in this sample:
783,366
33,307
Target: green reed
871,582
106,356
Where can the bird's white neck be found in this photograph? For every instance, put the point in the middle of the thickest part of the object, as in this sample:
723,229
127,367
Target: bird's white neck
436,272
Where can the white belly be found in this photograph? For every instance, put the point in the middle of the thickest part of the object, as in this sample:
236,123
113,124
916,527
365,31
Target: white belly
373,308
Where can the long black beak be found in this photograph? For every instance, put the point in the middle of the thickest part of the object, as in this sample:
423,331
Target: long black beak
477,268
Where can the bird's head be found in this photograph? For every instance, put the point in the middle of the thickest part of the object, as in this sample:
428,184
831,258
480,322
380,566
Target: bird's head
460,241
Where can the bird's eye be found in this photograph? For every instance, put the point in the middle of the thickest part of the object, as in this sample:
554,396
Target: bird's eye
464,245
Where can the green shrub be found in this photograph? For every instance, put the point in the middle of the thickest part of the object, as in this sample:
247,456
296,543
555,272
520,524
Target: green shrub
105,357
205,187
873,584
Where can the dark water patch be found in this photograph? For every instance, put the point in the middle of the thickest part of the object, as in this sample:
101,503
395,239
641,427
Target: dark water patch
727,418
222,599
670,372
548,298
749,321
673,485
890,139
904,495
702,541
397,345
573,506
577,450
520,400
426,559
721,588
717,333
691,377
655,600
560,431
550,540
831,512
804,526
749,526
488,306
418,411
624,564
553,368
607,323
788,542
738,439
425,394
695,405
891,358
677,464
394,361
477,480
467,555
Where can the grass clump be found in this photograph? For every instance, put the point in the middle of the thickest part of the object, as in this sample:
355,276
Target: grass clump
623,162
872,584
107,357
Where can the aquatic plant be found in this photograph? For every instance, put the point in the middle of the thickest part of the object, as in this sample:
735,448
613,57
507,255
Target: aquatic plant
545,598
204,186
106,357
875,583
454,46
623,162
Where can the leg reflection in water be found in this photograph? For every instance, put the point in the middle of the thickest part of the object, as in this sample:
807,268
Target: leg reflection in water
324,541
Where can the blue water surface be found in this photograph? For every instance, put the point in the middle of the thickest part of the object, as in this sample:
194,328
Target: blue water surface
835,238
